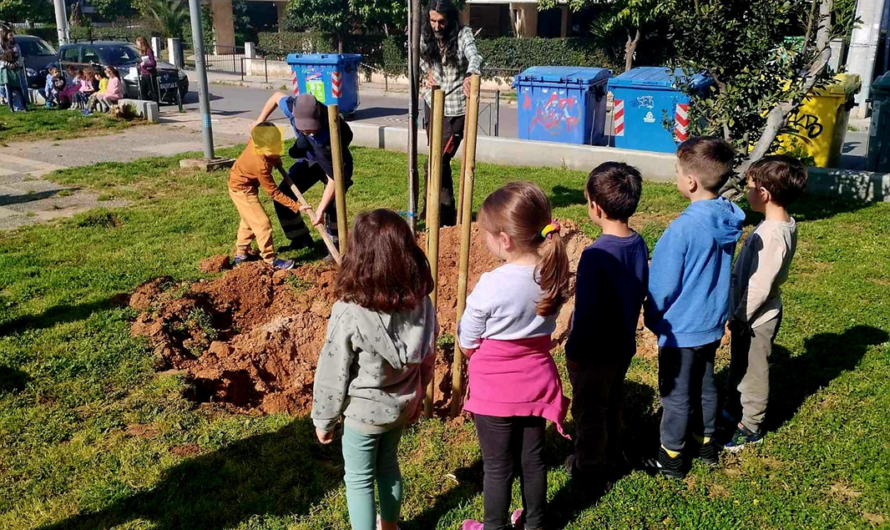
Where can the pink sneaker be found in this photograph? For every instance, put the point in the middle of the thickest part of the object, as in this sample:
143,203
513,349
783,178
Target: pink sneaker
516,519
470,524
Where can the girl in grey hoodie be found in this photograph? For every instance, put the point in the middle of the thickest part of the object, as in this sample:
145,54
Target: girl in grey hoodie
377,360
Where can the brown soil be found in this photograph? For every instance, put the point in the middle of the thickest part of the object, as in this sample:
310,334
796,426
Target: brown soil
249,340
215,264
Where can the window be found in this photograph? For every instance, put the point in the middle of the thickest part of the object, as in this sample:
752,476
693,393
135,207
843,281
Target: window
35,48
119,55
71,55
90,56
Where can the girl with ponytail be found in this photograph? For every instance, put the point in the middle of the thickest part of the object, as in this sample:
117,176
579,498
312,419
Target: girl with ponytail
514,386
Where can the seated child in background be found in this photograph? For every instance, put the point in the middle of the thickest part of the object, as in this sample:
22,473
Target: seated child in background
47,91
514,385
762,267
85,90
612,280
252,170
377,361
72,85
688,302
113,92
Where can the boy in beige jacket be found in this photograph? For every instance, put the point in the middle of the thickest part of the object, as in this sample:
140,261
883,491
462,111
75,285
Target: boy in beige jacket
762,267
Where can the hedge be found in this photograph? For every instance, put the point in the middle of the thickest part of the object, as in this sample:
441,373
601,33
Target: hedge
503,56
129,34
48,34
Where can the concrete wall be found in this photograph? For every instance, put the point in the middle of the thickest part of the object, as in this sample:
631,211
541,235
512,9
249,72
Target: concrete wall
655,167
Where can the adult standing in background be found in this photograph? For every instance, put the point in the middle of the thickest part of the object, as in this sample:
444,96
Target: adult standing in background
8,43
148,70
448,58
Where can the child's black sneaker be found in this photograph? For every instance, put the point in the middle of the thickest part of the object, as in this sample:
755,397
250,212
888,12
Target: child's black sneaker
299,243
240,258
669,464
709,453
743,436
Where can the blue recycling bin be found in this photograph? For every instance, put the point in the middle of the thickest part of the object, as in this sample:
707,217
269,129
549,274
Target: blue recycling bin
649,111
562,104
331,78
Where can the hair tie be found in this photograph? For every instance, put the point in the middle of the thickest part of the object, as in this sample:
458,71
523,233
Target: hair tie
550,228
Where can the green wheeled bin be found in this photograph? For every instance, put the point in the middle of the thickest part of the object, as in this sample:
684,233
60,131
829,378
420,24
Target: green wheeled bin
879,131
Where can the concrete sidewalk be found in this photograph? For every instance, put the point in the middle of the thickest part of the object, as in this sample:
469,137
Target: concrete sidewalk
26,197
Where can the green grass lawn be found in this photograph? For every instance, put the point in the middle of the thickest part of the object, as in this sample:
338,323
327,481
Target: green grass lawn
42,124
91,437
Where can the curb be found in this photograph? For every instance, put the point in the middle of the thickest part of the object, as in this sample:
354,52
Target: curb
655,167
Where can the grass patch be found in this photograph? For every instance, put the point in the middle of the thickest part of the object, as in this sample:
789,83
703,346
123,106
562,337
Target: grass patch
92,437
42,124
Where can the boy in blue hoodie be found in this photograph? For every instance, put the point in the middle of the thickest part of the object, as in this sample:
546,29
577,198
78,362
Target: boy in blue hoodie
688,301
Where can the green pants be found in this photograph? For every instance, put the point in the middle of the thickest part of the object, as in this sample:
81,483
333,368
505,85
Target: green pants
371,458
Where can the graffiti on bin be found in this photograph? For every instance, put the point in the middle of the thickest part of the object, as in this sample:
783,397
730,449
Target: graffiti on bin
805,126
646,102
554,114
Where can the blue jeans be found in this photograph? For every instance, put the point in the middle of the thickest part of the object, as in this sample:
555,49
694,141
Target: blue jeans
371,458
688,393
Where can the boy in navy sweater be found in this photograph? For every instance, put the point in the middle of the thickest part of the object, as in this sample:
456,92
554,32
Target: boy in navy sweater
611,285
688,302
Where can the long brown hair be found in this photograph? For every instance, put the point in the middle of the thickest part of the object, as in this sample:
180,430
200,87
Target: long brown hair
383,269
522,211
143,48
113,71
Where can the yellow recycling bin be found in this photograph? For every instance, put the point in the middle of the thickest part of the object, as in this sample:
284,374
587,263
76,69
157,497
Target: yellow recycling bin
820,124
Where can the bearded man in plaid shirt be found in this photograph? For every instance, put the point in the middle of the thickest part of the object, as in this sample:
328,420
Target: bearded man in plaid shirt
448,58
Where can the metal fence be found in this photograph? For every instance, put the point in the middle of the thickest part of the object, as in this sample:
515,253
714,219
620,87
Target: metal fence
222,59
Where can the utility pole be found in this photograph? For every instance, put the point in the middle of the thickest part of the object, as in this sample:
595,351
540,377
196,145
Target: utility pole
864,49
203,93
413,87
62,22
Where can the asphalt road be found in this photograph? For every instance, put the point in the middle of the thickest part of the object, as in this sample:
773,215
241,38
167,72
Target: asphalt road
379,108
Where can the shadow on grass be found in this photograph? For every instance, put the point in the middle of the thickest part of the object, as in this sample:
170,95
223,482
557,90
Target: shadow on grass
469,485
280,473
59,314
826,356
809,208
639,435
12,380
562,196
793,379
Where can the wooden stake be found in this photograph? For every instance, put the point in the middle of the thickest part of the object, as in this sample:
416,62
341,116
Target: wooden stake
328,242
432,212
472,121
460,181
339,185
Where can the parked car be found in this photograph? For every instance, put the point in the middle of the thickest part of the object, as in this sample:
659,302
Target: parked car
38,56
126,58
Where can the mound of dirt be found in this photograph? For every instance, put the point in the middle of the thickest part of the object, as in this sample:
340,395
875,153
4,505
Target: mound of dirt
250,339
215,264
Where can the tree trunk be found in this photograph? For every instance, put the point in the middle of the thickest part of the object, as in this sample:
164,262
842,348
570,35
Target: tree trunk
629,49
779,114
339,43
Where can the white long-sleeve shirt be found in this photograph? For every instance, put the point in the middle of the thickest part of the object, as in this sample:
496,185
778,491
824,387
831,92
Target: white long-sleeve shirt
760,270
503,306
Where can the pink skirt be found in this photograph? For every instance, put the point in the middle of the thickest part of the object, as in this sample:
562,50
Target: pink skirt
516,378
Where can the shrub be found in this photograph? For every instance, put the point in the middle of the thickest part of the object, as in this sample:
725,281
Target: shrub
503,57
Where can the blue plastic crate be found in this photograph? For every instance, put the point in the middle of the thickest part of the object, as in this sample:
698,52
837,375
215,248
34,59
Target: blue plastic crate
562,104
